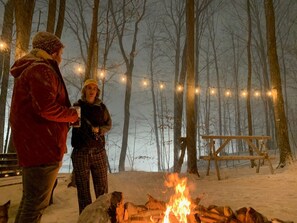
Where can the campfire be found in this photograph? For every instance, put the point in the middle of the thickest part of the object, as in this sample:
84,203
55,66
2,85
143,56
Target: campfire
180,208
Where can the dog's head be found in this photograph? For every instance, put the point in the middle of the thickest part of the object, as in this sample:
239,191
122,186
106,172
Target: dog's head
4,212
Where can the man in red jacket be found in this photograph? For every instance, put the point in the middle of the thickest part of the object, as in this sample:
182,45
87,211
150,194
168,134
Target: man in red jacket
40,115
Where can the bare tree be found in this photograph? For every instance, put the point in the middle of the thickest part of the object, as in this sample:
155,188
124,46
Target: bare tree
276,84
249,82
201,7
152,45
259,41
120,26
174,28
191,113
213,42
6,37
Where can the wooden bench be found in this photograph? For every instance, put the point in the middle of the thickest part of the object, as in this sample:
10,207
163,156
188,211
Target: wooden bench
259,148
9,165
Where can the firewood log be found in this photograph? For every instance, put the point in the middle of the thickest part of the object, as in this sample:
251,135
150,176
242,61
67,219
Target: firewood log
252,216
228,212
207,219
241,213
204,213
107,208
154,204
132,209
276,220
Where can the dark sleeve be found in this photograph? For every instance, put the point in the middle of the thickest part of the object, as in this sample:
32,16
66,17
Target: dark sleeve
107,121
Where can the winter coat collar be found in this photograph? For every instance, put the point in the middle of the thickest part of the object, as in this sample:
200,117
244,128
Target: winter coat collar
41,54
97,102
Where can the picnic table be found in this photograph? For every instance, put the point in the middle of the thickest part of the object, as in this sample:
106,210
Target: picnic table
256,143
9,165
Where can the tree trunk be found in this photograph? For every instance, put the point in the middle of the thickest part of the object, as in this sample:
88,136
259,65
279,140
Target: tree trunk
6,36
238,130
60,22
51,16
151,33
178,116
23,9
278,101
249,57
92,41
263,61
191,114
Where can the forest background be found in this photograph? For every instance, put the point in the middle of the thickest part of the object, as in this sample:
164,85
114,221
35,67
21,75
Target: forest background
137,50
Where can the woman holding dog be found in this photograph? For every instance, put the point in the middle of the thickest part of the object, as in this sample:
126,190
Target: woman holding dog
88,142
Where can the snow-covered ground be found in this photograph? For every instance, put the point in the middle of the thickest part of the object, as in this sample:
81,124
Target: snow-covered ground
273,195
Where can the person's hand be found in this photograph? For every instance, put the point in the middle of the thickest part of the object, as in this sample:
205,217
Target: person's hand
95,129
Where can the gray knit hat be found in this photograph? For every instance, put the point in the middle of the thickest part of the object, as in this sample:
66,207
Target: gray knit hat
47,42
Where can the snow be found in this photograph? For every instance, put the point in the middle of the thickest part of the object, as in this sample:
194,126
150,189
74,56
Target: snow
273,195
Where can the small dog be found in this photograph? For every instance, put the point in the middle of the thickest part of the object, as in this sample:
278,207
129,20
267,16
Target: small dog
4,212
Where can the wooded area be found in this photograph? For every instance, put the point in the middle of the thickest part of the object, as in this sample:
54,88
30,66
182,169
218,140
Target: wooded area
168,69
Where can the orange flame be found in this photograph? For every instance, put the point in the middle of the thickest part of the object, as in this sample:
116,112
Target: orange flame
179,204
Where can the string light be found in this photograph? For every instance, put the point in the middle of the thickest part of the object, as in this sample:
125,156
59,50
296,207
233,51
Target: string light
179,88
197,90
257,94
102,74
162,86
145,82
123,78
3,46
244,93
228,93
212,91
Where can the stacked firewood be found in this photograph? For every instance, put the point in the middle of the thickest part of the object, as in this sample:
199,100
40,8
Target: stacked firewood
214,214
110,208
153,211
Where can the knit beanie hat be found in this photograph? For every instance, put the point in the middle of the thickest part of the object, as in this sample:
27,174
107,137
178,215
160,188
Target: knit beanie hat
47,42
90,81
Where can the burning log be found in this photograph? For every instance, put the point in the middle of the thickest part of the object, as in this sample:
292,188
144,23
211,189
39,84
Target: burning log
209,215
135,213
154,204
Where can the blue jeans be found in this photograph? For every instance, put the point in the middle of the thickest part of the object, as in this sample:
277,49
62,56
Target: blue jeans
38,183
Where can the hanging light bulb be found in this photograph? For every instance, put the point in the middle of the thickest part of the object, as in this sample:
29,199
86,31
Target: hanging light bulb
179,88
228,93
145,83
197,90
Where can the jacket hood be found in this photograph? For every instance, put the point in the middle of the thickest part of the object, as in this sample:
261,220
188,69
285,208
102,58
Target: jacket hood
24,62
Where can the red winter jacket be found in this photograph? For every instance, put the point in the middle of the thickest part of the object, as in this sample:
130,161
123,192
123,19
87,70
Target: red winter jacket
40,112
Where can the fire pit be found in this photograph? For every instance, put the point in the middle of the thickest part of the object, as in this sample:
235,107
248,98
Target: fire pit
180,208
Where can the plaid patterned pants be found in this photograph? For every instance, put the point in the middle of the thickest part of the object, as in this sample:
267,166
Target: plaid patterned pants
86,161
